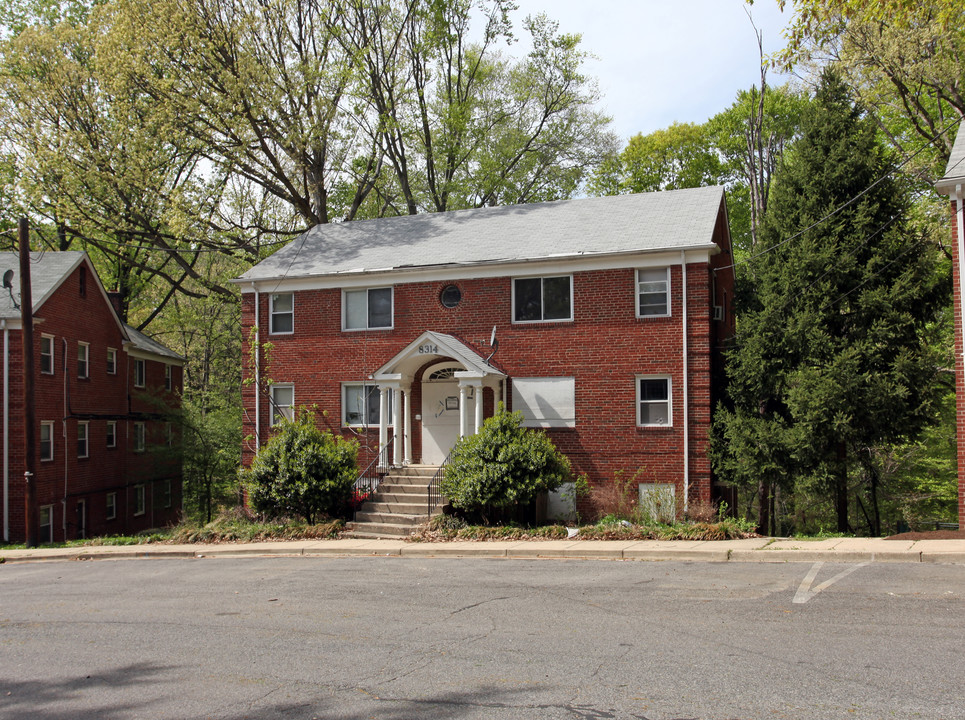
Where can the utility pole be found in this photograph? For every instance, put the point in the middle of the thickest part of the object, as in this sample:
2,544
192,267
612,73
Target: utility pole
29,410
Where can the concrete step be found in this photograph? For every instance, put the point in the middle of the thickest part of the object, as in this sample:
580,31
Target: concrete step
426,471
395,518
379,530
398,497
407,480
410,508
395,489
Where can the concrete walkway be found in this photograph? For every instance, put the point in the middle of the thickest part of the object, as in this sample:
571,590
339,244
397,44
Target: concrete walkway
751,550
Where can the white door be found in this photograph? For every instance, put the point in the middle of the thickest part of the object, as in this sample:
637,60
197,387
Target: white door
440,420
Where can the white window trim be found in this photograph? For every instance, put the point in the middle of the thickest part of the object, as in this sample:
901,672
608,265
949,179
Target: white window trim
166,494
111,370
140,437
636,394
345,423
168,377
140,494
111,440
40,444
110,505
140,362
271,314
274,408
86,433
86,349
636,294
512,310
53,363
346,328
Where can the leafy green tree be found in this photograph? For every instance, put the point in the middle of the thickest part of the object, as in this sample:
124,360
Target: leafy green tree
503,464
302,471
833,354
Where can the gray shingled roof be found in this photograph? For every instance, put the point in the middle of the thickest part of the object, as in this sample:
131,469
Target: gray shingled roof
143,342
47,271
955,170
671,220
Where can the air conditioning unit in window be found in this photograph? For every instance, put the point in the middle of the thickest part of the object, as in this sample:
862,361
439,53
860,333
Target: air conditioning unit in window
719,312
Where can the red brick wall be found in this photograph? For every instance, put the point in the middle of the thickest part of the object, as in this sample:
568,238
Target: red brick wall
68,479
604,348
959,368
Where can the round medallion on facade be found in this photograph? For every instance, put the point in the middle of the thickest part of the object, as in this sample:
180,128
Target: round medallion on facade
450,296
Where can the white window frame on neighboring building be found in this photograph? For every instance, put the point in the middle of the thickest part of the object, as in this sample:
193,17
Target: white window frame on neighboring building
83,360
140,372
111,434
650,402
83,439
542,300
140,437
351,321
47,425
140,500
111,361
47,358
110,512
369,391
649,282
281,409
276,317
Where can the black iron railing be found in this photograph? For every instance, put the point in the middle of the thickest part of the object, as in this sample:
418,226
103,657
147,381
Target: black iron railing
369,479
434,491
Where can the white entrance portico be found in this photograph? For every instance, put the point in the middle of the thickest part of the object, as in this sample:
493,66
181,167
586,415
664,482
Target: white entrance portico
452,395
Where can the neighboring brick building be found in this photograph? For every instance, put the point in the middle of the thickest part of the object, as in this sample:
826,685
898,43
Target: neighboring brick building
108,458
386,326
953,185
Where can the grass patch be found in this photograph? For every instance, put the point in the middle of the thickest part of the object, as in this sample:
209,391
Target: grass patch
241,526
447,528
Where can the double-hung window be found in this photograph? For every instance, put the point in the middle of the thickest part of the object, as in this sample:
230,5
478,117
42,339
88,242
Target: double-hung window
111,433
361,404
282,403
47,354
111,361
167,377
140,439
46,440
653,401
140,499
369,309
282,313
82,434
543,299
653,292
140,372
111,510
46,524
83,360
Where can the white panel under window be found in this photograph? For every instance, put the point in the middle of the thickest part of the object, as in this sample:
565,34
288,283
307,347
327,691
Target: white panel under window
546,402
658,502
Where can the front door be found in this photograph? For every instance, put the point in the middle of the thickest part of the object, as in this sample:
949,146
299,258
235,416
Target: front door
440,414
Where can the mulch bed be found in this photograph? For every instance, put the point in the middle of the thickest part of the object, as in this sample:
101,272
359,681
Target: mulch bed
930,535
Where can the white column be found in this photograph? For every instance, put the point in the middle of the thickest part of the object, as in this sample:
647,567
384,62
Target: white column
407,420
463,422
397,421
383,416
478,392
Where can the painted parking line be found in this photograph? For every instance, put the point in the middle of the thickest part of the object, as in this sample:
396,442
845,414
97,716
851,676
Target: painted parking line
804,591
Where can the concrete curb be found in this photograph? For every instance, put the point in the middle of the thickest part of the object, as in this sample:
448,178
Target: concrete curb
775,550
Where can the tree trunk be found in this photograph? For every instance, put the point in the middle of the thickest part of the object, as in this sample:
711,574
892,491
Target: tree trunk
841,488
764,507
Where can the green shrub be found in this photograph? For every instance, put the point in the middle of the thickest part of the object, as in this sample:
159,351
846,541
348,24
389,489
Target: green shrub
503,464
302,471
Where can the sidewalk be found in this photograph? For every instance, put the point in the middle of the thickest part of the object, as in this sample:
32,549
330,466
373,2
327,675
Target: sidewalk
849,550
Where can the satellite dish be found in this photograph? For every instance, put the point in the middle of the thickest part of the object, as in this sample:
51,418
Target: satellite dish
492,338
494,344
8,283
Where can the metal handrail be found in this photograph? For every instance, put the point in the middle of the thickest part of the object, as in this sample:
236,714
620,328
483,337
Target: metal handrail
433,491
369,479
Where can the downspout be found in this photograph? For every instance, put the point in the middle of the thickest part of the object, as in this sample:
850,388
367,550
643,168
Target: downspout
686,374
63,426
6,430
257,369
959,197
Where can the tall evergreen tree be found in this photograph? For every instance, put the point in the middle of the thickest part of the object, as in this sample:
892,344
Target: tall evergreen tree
831,356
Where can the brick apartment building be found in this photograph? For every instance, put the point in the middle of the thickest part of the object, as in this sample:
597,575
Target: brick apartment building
953,185
599,319
108,458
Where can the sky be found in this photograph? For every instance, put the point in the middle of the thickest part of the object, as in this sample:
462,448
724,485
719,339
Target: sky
665,61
